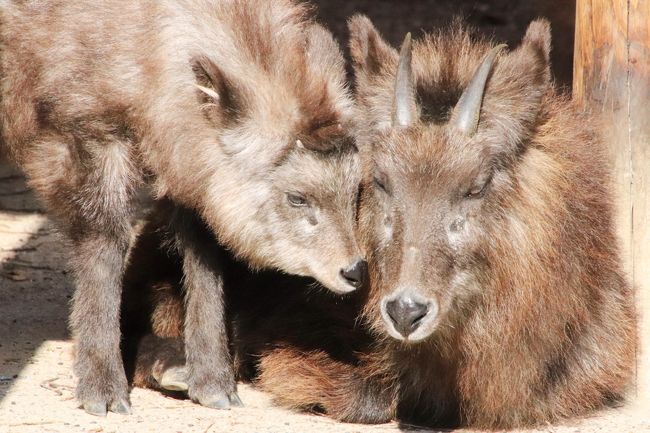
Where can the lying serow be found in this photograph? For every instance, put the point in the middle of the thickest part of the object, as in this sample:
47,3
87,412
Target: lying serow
496,297
231,110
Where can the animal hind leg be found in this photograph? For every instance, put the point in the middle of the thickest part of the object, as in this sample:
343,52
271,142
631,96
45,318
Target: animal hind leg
89,189
98,261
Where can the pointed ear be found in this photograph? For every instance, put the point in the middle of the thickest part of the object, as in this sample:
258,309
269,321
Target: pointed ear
214,89
327,102
371,55
324,53
538,39
538,36
528,67
519,82
374,62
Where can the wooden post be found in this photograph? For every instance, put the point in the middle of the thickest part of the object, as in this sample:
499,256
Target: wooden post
612,76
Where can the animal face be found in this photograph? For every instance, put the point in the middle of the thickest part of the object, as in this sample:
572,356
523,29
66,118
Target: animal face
299,216
311,207
427,210
436,191
285,192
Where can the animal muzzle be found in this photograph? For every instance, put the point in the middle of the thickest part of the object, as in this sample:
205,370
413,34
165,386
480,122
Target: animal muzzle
408,317
355,274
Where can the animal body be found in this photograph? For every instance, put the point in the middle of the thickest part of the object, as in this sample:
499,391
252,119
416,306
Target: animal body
496,297
228,109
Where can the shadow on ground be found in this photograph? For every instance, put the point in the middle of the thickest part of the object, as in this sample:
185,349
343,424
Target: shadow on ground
34,291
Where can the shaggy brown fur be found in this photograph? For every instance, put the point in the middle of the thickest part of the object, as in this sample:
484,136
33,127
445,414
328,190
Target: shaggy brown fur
534,318
99,99
506,236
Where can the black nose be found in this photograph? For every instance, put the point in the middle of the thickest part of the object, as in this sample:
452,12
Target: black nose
356,273
406,314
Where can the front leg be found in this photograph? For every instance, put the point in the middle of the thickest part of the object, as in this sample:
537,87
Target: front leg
211,379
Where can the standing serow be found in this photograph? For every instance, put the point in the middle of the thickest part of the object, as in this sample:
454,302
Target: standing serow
496,293
228,109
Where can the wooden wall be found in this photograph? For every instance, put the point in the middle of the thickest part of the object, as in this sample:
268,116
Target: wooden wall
612,77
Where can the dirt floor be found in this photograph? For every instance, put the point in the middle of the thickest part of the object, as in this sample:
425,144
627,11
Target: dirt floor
36,382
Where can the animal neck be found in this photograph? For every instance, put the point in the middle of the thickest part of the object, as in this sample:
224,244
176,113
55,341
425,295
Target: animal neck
428,388
237,209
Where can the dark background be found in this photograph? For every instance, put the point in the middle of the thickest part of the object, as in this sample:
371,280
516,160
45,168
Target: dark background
505,20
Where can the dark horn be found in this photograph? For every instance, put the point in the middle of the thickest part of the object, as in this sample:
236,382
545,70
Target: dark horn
404,109
468,110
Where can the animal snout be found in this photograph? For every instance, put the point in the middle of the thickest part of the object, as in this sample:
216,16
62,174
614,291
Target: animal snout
355,274
406,314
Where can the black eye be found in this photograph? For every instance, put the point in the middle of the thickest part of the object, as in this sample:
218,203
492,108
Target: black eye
381,181
475,192
297,200
478,190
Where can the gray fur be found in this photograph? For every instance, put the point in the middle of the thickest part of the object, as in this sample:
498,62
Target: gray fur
99,99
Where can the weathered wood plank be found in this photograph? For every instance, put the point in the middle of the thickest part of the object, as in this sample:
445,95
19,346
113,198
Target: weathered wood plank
600,86
639,86
612,78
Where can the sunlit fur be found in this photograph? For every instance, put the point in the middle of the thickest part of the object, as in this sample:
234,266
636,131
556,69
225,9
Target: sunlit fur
535,319
129,90
99,98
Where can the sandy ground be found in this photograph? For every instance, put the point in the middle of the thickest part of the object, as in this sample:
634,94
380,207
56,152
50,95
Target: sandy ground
36,382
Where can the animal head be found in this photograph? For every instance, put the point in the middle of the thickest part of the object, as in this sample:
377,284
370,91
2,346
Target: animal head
449,122
284,193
